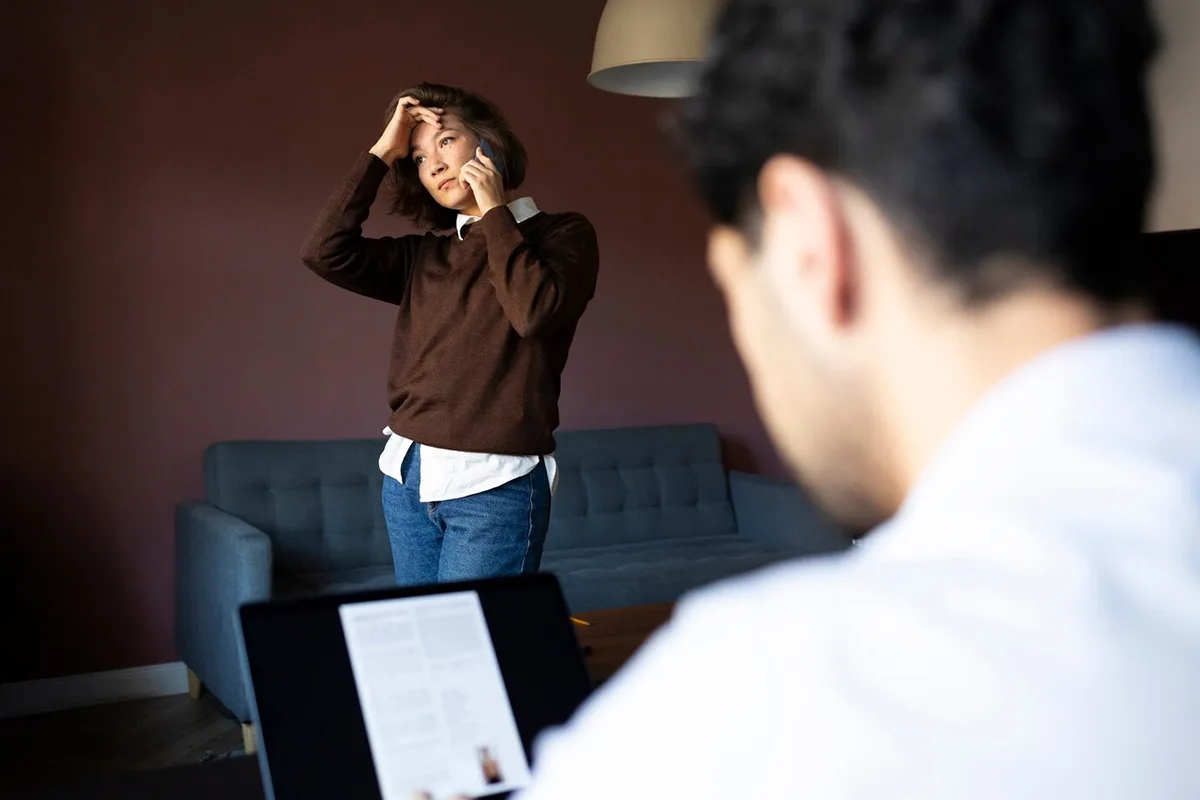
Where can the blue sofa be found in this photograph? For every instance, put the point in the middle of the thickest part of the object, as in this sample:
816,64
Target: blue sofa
641,515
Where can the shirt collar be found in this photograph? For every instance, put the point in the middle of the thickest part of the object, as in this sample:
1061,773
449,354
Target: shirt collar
1018,450
522,209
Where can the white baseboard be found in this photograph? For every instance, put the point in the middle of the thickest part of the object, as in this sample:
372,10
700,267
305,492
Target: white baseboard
92,689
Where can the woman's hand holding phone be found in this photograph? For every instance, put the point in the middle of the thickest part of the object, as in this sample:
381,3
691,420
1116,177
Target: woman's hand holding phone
396,140
482,177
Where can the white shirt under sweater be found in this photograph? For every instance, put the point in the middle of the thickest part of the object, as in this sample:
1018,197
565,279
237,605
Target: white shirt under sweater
451,474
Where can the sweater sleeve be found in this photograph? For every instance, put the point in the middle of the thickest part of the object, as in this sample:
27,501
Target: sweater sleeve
545,284
337,251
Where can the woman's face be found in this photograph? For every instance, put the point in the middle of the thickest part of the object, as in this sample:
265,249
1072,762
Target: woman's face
439,153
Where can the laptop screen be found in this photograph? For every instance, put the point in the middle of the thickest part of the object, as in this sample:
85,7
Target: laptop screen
439,689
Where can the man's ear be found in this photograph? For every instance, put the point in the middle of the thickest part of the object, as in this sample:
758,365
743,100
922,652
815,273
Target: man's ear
804,223
728,259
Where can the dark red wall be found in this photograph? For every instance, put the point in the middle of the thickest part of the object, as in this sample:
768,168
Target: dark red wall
162,168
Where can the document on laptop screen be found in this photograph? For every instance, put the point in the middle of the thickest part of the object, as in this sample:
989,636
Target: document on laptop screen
436,711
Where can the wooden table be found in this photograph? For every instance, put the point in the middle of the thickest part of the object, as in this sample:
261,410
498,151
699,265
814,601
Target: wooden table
615,634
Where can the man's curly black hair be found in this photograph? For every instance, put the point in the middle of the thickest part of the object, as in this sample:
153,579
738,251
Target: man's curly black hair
990,132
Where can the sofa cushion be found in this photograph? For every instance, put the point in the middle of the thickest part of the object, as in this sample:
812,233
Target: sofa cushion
630,485
319,501
652,572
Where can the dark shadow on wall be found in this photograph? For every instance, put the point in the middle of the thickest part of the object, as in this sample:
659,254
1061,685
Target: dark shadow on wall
738,455
1174,258
32,327
54,565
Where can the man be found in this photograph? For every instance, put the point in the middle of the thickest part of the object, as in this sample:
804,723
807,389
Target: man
922,206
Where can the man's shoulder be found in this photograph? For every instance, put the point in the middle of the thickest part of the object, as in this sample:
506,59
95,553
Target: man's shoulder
890,613
777,612
688,715
773,590
740,682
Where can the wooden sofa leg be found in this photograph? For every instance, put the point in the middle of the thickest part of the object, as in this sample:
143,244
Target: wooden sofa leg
249,739
195,687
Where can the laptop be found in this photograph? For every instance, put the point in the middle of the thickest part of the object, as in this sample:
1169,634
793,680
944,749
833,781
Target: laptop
439,689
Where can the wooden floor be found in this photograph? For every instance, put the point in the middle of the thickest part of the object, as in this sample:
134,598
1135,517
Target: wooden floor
52,749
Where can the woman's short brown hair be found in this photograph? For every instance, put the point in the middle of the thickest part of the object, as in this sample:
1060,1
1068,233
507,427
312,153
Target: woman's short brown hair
483,119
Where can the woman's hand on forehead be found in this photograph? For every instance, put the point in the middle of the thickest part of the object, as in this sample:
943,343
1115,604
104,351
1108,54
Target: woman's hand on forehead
397,138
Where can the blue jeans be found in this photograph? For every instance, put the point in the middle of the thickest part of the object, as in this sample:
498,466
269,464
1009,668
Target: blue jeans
497,532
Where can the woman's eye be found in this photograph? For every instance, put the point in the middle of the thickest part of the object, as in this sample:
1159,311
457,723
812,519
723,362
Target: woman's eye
419,160
447,140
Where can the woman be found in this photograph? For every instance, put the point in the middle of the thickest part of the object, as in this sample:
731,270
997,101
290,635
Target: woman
487,312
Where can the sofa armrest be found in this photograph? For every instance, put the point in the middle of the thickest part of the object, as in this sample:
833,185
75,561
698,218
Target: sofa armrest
221,562
778,514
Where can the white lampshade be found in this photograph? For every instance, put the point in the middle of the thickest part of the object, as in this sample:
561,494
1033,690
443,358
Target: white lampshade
652,48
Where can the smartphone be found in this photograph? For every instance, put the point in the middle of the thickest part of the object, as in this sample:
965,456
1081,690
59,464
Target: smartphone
491,153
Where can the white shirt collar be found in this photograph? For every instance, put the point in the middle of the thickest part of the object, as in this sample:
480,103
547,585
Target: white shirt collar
1021,449
522,209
